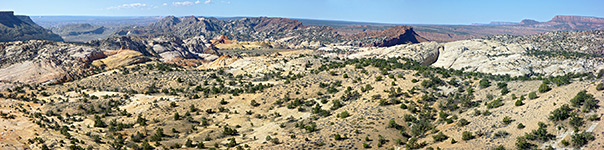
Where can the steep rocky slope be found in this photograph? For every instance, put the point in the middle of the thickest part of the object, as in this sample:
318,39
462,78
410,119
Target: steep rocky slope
19,28
164,47
42,62
35,62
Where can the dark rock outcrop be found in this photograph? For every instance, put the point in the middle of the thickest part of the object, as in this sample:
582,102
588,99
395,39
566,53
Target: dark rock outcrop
528,22
396,35
21,28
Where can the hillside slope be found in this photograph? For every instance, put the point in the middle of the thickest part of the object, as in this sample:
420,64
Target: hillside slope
21,28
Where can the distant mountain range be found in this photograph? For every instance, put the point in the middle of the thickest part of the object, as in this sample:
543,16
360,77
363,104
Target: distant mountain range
447,33
559,22
568,23
19,28
282,30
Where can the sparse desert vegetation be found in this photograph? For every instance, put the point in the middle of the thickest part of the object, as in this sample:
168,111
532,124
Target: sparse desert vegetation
329,104
275,83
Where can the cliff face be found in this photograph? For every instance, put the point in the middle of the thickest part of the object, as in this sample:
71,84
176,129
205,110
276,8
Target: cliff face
577,19
575,23
20,28
564,23
528,22
389,37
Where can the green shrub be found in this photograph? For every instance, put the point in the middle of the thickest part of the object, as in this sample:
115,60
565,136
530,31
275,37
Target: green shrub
561,113
485,83
593,117
502,85
576,121
159,133
565,142
393,124
544,88
463,122
495,103
413,144
519,103
232,142
532,95
466,135
254,103
365,145
505,91
581,139
520,126
440,137
540,133
98,122
229,131
600,87
336,104
584,99
500,147
344,114
523,144
507,120
176,116
421,127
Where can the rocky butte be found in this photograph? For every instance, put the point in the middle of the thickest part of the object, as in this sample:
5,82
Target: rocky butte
18,28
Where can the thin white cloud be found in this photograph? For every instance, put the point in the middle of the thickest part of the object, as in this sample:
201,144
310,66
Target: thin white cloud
164,4
197,2
208,2
184,3
128,6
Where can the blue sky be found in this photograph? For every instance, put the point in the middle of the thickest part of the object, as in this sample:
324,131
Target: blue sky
384,11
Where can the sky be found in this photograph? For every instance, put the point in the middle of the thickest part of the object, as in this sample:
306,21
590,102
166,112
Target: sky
379,11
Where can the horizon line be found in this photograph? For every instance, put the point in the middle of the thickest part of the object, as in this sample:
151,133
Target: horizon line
296,18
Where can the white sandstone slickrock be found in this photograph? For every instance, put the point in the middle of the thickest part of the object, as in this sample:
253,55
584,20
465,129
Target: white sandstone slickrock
478,55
